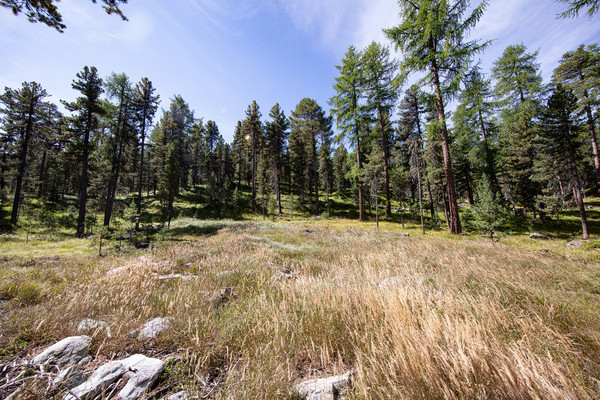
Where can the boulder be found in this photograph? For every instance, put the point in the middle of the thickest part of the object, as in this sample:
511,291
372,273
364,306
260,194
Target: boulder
89,324
539,235
332,388
139,372
577,244
68,351
152,328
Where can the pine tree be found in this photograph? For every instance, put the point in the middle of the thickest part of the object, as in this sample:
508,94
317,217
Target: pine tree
276,137
341,168
381,85
87,107
518,89
146,104
431,36
25,115
252,129
348,112
560,140
579,72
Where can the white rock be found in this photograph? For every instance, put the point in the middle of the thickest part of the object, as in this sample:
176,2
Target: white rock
66,352
70,377
152,328
332,388
143,372
89,324
98,382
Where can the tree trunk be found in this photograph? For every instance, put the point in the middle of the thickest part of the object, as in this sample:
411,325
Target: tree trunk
384,148
84,180
14,218
41,174
454,218
141,173
577,185
489,159
469,184
361,202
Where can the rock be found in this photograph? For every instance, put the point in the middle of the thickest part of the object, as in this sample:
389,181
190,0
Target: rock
332,388
117,270
545,251
70,377
139,372
152,328
142,373
141,245
283,274
577,244
178,396
405,235
68,351
98,382
89,324
219,299
538,235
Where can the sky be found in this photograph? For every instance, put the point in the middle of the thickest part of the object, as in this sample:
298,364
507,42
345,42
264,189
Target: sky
220,55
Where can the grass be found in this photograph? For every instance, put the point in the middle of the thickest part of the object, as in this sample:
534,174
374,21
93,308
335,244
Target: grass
415,317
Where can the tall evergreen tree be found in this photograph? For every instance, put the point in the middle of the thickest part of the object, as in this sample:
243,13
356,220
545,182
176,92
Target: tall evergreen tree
519,90
252,128
348,112
146,103
560,141
381,85
25,114
277,132
431,36
579,72
87,108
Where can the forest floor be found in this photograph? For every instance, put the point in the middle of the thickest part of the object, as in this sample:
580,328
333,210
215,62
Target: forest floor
418,316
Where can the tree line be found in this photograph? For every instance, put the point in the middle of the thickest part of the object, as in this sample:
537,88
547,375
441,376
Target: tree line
512,143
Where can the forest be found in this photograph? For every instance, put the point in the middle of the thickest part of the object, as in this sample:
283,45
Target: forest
461,148
430,232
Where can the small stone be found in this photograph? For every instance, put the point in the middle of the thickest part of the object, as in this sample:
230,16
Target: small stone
405,235
89,324
225,295
539,235
545,251
577,244
332,388
152,328
283,274
68,351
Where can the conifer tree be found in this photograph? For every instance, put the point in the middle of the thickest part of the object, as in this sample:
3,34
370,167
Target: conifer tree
252,129
26,113
560,141
579,72
145,103
87,108
591,7
381,85
276,135
431,36
519,90
348,112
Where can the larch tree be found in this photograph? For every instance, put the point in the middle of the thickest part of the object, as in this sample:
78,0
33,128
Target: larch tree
381,86
145,103
579,72
590,7
26,113
87,108
350,114
431,36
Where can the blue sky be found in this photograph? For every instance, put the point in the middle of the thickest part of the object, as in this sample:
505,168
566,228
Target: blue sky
219,55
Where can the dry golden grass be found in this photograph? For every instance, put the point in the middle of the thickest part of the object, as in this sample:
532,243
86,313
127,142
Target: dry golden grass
429,318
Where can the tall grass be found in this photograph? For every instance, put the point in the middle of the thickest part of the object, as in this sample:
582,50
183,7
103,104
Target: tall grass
432,318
